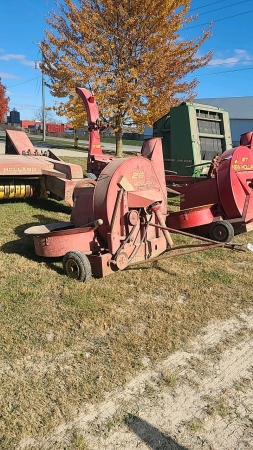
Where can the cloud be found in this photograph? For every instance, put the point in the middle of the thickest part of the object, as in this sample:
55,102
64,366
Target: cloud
13,94
20,58
20,106
240,56
8,75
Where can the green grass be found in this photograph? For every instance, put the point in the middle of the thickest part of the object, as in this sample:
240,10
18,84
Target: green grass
82,143
109,140
79,161
65,343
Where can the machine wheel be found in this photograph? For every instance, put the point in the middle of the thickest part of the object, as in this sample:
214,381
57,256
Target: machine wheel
221,231
77,266
91,176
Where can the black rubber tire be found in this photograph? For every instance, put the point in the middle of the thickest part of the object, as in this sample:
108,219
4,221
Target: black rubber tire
91,176
77,266
221,231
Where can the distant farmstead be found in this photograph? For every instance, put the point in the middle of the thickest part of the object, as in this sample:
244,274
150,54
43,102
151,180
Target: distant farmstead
36,125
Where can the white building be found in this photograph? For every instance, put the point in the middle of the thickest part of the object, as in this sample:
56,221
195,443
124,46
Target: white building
240,110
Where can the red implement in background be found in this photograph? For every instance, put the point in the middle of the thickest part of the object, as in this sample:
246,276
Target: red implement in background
247,140
96,158
26,172
223,201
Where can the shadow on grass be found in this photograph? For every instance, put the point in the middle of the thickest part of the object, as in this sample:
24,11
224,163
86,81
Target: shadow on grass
25,246
49,205
151,435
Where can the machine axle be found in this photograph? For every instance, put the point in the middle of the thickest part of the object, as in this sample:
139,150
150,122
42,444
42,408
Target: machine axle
11,189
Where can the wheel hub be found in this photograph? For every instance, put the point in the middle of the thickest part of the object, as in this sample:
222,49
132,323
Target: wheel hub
72,269
220,233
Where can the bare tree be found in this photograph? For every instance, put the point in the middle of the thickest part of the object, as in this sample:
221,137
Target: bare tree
49,115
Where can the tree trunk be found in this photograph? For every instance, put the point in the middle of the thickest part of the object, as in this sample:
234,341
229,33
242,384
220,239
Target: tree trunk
118,135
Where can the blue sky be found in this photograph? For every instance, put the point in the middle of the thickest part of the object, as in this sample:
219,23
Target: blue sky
229,74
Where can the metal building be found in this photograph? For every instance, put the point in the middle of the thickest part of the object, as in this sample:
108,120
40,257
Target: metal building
240,110
14,118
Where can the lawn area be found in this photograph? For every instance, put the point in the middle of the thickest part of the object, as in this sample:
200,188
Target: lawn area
83,141
65,343
111,140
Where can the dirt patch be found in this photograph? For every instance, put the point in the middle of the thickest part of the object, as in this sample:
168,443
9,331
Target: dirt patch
175,405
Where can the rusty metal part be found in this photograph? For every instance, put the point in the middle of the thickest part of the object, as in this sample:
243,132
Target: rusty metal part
126,240
172,191
121,260
116,210
208,245
171,252
207,163
133,217
200,238
166,233
155,207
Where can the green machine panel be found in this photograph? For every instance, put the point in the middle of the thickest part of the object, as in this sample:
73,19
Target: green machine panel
193,134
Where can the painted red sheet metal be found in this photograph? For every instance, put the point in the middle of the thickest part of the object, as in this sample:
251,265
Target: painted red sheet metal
24,165
20,141
190,218
234,180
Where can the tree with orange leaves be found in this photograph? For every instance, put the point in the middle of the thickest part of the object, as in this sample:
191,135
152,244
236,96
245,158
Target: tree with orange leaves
129,53
3,102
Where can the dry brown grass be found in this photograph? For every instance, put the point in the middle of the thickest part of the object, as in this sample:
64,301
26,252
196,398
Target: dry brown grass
64,343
